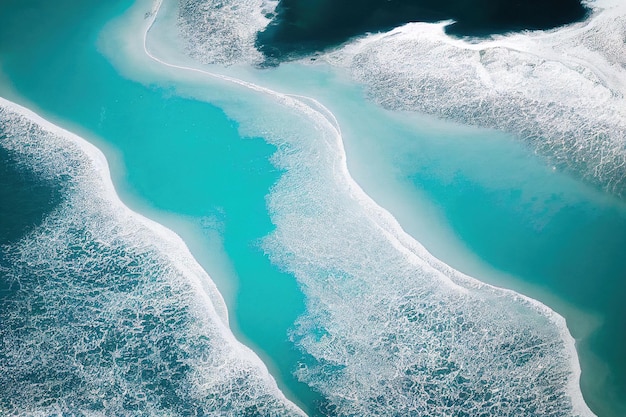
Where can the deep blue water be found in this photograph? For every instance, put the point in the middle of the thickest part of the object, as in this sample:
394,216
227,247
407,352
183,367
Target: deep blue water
301,27
25,198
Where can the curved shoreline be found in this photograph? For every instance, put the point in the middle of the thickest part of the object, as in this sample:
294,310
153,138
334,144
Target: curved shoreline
386,223
102,170
168,243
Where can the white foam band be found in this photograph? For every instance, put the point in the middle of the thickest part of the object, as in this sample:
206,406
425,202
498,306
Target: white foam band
124,299
560,91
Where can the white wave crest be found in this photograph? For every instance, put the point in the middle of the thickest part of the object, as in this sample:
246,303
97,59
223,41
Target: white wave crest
110,314
561,91
390,330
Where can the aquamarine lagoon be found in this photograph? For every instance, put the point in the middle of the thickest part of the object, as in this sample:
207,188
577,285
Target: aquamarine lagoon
330,256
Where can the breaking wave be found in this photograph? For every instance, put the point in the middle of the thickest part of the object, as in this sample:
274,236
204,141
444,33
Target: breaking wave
562,92
107,313
390,330
223,31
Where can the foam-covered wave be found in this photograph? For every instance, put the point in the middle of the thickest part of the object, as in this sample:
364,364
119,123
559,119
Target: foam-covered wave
107,313
303,27
562,92
389,330
223,31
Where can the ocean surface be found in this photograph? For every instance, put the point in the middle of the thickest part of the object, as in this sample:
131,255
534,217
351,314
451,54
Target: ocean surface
300,27
104,313
493,209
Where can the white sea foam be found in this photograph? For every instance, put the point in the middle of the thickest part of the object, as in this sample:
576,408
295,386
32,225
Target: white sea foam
560,91
111,315
390,330
224,31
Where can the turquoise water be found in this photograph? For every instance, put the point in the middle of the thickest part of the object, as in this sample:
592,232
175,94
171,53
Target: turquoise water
561,237
26,198
169,155
185,163
489,207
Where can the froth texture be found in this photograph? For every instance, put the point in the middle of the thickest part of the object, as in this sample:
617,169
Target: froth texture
106,314
389,330
223,32
301,27
560,92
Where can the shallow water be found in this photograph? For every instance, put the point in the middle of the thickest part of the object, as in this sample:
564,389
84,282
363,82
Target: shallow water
169,155
486,205
192,167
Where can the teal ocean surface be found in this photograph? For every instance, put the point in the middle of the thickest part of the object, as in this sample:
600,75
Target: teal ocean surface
492,209
95,322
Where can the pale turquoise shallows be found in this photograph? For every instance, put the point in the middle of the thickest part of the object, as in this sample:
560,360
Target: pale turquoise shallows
168,156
